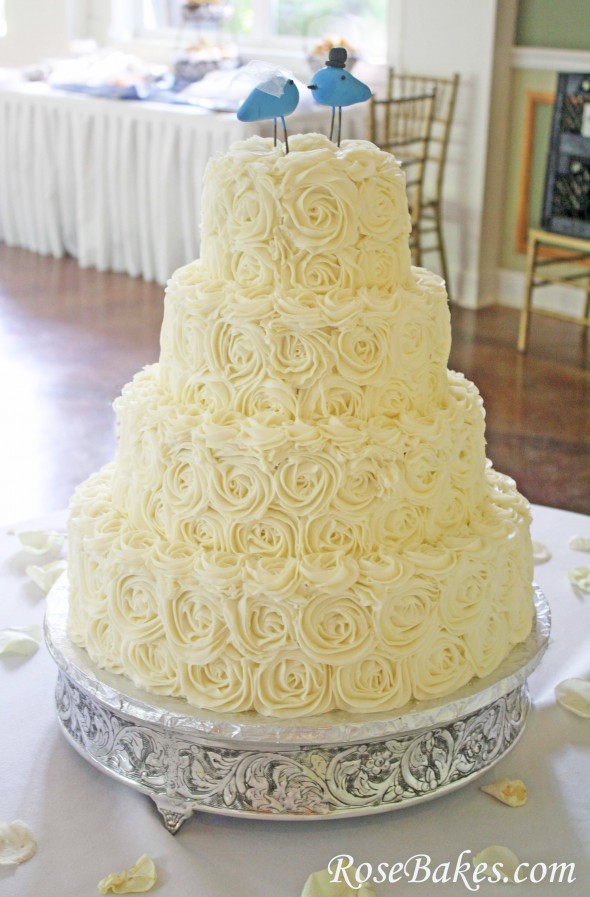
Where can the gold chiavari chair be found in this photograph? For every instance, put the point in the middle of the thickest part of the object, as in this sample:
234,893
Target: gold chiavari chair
429,235
554,259
402,126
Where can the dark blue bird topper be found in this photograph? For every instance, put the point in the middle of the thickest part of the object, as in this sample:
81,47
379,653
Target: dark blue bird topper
275,97
333,86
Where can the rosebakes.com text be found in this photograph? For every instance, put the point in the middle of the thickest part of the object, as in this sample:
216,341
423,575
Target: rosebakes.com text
419,868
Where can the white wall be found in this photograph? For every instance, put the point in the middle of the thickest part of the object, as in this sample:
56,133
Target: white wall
37,29
474,38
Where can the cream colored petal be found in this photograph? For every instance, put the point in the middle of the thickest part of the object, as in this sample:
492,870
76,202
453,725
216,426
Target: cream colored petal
20,639
509,791
580,543
574,694
498,860
17,843
541,553
321,884
140,878
45,576
580,577
39,541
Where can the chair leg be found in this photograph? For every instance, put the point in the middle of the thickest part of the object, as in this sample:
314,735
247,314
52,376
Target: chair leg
441,248
523,331
587,306
417,245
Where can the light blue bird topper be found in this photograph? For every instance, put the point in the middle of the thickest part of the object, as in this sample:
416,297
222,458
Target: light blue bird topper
274,97
333,86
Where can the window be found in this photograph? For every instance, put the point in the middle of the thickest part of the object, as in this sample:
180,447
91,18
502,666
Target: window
2,19
301,24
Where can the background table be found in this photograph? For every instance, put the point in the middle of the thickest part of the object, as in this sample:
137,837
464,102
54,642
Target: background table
87,825
115,183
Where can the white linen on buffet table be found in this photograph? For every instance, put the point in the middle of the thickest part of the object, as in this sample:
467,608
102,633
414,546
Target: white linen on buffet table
114,183
88,825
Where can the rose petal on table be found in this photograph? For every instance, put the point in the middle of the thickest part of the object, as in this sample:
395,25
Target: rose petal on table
322,884
580,543
541,553
501,857
580,577
140,878
17,843
37,541
574,695
20,639
45,576
511,792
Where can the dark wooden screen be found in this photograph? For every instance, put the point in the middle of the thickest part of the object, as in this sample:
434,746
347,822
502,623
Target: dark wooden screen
566,205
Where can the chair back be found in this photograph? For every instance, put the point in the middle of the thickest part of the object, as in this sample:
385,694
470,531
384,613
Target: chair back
400,85
402,126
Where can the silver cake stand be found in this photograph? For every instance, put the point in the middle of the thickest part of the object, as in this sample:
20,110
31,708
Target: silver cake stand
245,765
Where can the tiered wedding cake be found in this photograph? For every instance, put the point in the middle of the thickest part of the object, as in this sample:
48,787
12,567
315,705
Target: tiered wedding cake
300,515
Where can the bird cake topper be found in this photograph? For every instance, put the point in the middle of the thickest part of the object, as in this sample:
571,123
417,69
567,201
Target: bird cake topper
333,86
275,96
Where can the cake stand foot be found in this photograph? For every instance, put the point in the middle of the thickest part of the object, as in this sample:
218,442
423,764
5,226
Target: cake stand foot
174,813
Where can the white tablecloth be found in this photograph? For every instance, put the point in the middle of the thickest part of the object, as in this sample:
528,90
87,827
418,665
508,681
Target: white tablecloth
114,183
88,825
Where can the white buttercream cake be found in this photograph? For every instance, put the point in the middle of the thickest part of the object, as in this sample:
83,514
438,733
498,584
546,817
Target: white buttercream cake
300,516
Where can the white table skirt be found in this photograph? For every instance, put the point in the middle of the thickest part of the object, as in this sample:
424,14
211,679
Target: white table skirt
116,184
88,825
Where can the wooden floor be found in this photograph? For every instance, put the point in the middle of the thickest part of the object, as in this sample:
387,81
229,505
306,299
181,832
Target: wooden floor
70,339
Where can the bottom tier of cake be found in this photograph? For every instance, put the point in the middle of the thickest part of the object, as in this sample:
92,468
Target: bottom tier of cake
335,765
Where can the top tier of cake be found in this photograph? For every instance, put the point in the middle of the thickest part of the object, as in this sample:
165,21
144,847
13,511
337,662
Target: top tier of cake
322,217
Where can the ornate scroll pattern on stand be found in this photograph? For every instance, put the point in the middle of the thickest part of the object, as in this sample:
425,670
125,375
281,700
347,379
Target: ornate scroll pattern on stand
183,773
